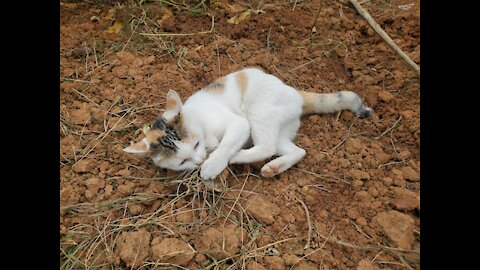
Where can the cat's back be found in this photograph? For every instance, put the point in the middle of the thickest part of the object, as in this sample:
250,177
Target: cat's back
262,87
247,88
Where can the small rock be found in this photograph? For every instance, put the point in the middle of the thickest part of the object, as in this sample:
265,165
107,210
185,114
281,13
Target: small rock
221,243
404,154
385,96
251,265
290,259
366,264
353,146
89,194
408,114
108,191
81,51
357,175
304,265
200,258
124,172
381,156
357,183
387,181
125,189
135,209
262,209
398,227
173,251
399,181
405,199
83,166
373,191
353,213
94,184
274,262
361,221
133,247
410,174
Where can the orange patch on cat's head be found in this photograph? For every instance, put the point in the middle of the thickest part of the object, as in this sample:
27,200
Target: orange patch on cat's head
154,136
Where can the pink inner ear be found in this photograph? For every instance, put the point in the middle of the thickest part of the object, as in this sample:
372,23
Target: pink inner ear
137,148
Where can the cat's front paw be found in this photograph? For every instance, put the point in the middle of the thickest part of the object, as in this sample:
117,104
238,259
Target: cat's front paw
211,169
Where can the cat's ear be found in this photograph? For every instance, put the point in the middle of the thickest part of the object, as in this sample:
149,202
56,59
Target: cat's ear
174,105
140,148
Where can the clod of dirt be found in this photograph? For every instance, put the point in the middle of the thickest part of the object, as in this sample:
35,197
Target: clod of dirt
381,156
303,265
410,174
405,199
81,51
255,266
132,247
274,262
125,189
408,113
80,116
357,175
385,96
83,166
398,227
172,250
94,184
295,247
200,258
353,213
262,209
221,243
290,259
404,154
366,264
135,209
353,146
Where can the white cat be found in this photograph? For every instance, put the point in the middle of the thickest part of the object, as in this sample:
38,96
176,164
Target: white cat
222,117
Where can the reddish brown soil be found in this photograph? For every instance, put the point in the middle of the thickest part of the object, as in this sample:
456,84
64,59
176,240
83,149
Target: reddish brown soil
360,179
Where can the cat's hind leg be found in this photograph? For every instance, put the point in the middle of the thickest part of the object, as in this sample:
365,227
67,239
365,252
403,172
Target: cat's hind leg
289,155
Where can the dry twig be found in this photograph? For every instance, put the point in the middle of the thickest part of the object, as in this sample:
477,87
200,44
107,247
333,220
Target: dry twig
385,36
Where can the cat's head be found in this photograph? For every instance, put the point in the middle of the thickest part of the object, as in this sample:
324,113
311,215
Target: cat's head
171,141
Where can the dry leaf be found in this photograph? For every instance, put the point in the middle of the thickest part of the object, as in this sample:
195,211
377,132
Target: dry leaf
111,14
406,7
240,17
236,8
115,28
69,5
228,7
166,14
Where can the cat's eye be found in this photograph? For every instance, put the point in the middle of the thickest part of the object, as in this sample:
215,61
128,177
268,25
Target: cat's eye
181,163
196,145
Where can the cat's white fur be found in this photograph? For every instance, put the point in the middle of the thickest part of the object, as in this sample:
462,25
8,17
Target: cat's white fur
248,104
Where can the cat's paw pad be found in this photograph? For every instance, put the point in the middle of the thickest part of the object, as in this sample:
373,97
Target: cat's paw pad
269,171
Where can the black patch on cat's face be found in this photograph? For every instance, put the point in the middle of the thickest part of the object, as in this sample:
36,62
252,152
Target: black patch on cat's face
167,142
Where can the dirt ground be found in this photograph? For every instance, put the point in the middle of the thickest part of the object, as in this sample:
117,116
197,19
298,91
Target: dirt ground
351,203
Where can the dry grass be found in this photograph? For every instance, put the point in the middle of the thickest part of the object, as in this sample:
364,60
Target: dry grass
90,242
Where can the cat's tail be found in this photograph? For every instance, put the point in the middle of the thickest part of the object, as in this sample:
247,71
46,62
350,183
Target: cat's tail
314,103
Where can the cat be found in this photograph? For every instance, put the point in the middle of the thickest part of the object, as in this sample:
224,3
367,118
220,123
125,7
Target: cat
247,105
